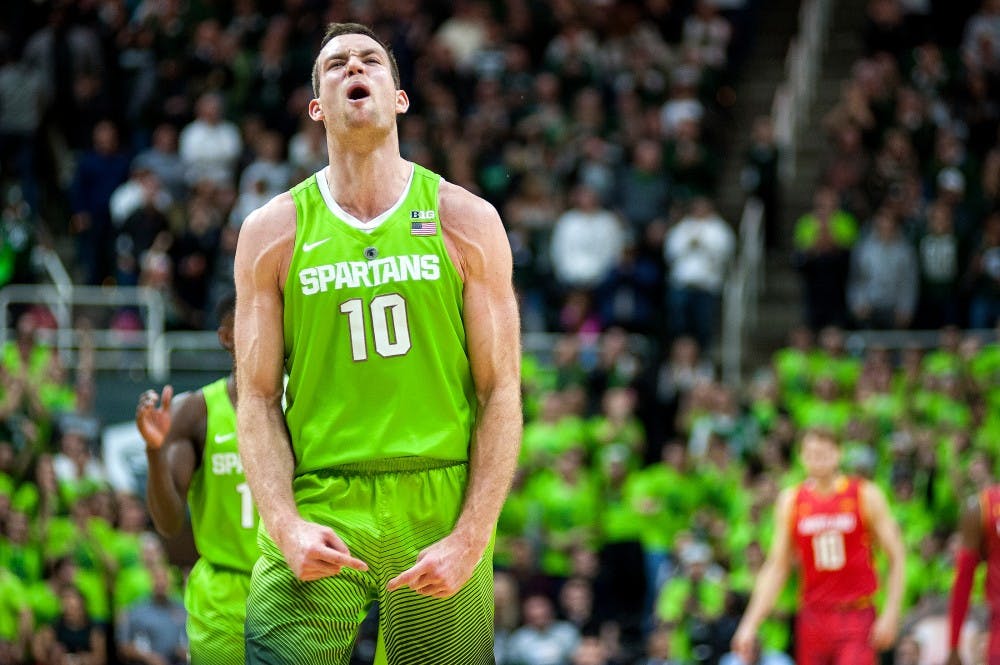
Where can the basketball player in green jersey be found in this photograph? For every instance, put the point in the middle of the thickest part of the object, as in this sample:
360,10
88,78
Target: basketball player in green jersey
386,294
192,453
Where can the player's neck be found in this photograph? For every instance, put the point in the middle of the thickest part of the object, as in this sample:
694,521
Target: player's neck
366,183
231,387
824,484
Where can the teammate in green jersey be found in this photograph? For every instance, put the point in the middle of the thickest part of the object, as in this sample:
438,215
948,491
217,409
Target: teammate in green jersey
386,294
192,453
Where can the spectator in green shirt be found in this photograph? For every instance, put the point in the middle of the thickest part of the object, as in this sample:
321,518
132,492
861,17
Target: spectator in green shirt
946,358
553,433
74,632
617,432
823,238
825,407
568,499
793,364
16,619
20,552
833,359
692,598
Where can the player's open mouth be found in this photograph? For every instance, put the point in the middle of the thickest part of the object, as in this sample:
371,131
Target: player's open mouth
357,91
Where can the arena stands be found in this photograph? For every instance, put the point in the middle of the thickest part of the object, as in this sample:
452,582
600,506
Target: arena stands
136,136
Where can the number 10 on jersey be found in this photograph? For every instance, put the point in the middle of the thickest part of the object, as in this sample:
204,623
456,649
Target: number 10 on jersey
828,550
390,327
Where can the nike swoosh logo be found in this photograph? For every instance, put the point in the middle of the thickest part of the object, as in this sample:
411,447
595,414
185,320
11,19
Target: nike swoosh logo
310,246
222,438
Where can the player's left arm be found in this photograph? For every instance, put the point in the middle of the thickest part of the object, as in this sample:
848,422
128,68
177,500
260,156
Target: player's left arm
889,538
478,245
173,432
966,561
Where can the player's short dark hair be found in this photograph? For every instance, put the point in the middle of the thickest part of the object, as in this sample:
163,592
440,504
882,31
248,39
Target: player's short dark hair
334,30
822,432
226,306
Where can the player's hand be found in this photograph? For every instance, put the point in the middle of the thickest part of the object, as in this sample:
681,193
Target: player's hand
883,634
314,551
154,421
744,641
954,658
442,569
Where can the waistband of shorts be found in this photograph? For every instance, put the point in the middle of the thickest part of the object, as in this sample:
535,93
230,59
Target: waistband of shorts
388,465
862,603
218,568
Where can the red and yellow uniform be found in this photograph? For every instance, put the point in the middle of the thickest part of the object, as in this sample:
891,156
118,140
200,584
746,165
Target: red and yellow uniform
833,544
989,504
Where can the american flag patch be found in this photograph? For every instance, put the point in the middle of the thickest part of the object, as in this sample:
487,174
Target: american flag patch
423,228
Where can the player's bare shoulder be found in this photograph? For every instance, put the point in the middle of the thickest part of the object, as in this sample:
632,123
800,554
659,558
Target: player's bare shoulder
872,495
785,504
473,232
267,238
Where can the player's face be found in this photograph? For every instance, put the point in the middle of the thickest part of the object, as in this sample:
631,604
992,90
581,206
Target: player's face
356,88
820,456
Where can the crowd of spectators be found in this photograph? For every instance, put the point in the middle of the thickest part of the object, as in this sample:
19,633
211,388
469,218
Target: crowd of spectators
75,556
147,131
905,223
663,542
640,512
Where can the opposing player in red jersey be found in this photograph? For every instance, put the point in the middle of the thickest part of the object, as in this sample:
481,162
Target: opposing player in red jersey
980,533
826,524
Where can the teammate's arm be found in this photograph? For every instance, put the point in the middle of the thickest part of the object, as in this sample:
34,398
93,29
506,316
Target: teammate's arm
771,579
891,541
171,432
969,554
262,254
476,237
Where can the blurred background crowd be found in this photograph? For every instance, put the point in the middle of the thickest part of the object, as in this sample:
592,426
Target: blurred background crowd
136,135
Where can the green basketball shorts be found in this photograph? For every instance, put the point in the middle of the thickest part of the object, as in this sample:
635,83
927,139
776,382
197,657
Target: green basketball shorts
386,512
216,600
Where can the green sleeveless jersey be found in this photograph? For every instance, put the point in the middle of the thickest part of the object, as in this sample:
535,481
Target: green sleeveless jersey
375,343
223,516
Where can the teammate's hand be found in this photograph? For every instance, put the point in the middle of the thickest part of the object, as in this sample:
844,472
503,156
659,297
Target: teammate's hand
744,643
441,570
314,551
154,421
884,631
954,658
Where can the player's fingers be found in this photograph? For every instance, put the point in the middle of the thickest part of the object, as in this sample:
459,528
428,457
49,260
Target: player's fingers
426,582
337,558
406,578
318,571
344,558
168,394
148,398
432,590
331,538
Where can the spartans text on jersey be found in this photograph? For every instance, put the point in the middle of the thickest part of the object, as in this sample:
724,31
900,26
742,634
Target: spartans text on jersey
352,274
225,464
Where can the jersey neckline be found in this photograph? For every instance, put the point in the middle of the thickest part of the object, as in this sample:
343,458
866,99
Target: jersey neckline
348,218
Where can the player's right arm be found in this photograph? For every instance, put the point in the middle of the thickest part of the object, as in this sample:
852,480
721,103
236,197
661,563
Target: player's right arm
969,552
171,432
263,253
771,579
